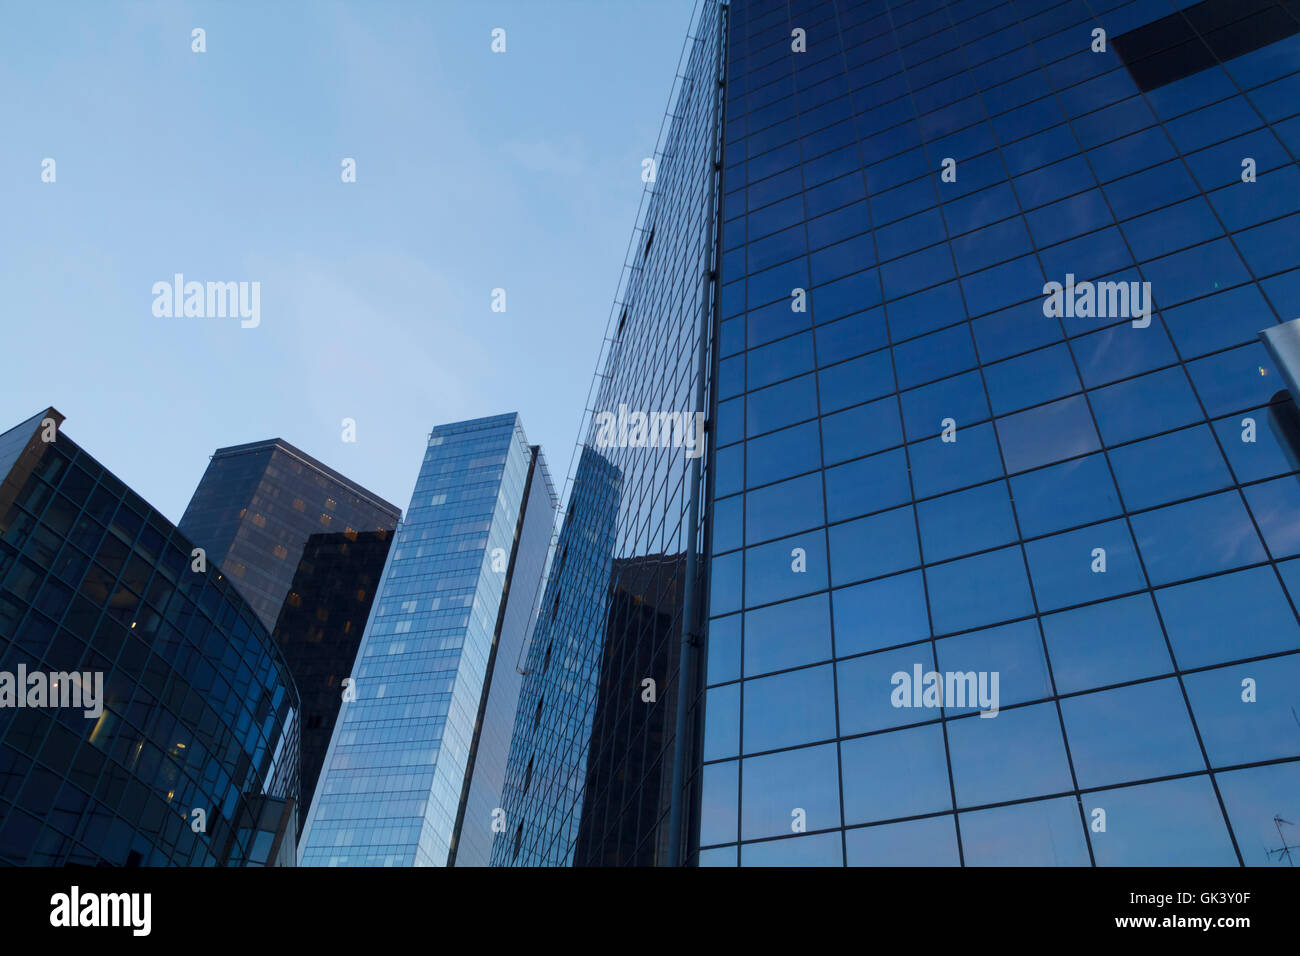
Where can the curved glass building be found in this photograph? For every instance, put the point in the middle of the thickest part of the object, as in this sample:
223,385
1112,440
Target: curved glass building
146,718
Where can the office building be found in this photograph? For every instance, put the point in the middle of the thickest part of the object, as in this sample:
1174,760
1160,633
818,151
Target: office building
146,717
305,546
258,504
416,762
998,559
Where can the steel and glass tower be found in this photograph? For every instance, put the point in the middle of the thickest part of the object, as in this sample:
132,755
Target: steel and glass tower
258,504
417,758
970,294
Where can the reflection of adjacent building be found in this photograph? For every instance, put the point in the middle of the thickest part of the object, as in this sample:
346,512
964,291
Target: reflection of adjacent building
320,627
194,758
592,766
544,789
416,760
305,546
628,771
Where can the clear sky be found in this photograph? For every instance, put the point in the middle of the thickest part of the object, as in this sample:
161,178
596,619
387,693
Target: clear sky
475,171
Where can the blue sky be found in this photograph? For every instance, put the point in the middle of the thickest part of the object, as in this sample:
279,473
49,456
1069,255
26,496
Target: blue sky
475,171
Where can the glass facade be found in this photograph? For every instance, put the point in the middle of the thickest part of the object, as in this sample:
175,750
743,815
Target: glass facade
1001,556
189,756
590,778
306,547
403,780
319,630
925,465
258,504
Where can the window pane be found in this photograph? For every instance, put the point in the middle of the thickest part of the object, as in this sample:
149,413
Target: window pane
1173,823
870,547
868,484
718,806
719,856
789,709
1197,537
724,649
815,849
722,722
1042,833
939,466
861,431
1230,617
1130,733
1047,434
866,690
787,635
960,398
1275,505
1018,753
903,773
1253,797
1031,379
1237,729
1013,652
782,509
1107,643
780,405
966,521
1169,467
781,454
985,589
772,570
928,842
775,785
879,614
1268,455
1062,496
1068,568
1143,406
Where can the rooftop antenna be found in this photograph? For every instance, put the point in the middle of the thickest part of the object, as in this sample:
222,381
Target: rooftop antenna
1284,851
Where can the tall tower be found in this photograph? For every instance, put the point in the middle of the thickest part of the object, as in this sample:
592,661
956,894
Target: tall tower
305,546
998,541
417,759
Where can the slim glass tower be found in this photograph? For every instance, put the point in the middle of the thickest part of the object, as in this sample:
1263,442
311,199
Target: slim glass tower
1001,489
417,759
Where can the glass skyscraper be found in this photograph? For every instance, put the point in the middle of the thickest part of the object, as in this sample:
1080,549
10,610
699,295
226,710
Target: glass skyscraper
305,546
258,504
998,551
183,749
415,767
